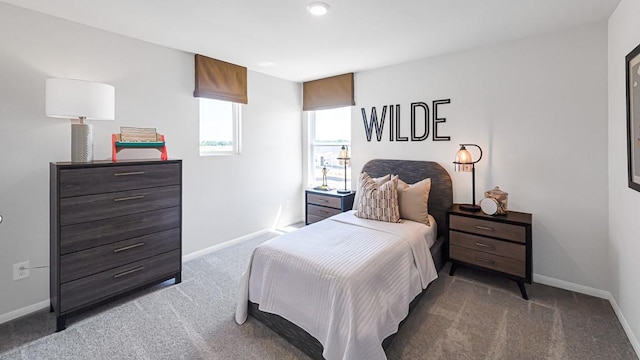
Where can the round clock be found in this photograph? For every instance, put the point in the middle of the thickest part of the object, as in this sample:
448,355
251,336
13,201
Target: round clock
489,206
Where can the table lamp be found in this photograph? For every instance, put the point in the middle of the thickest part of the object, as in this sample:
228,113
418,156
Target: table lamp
464,162
344,158
82,100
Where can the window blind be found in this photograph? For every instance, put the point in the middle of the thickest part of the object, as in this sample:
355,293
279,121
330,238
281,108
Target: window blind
328,93
220,80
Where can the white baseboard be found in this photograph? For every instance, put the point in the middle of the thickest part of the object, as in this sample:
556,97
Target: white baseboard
541,279
546,280
24,311
210,249
625,325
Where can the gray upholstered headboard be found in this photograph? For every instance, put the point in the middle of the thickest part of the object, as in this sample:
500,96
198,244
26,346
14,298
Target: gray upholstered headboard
410,171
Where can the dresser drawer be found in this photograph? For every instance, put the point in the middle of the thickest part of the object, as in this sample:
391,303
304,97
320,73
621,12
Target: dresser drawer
484,244
96,180
488,228
330,201
485,260
321,211
103,285
102,206
87,235
92,261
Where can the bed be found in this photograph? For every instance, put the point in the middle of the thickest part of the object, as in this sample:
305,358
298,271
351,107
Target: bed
345,282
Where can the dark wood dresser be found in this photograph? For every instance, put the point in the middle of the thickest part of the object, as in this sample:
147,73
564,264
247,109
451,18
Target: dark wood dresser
499,243
321,204
115,227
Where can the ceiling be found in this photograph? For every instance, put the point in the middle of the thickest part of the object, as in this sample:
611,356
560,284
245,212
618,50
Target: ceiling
279,37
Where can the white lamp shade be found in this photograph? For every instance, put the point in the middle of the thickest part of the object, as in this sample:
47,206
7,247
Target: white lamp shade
73,99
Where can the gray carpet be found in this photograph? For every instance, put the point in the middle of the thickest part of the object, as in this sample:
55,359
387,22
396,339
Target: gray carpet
469,316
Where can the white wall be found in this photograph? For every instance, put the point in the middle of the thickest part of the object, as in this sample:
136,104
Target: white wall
538,108
624,203
223,197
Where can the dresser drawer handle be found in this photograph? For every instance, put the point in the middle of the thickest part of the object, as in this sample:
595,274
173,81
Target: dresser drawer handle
485,260
128,272
129,198
323,200
484,228
323,212
484,245
129,173
128,247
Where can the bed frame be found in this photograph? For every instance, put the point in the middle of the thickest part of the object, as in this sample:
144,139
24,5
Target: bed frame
440,200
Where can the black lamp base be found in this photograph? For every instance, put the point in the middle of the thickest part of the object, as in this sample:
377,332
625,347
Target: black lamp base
469,207
343,191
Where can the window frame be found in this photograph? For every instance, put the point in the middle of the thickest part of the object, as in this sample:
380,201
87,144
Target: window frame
313,143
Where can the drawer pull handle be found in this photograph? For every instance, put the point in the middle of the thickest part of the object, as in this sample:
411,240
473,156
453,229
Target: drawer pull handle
484,245
128,247
485,260
129,198
129,173
323,212
128,272
484,228
323,200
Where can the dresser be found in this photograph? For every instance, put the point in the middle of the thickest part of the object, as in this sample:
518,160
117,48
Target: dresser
320,204
500,244
115,227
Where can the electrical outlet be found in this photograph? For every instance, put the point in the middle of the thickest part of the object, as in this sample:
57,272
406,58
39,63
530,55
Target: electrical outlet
21,270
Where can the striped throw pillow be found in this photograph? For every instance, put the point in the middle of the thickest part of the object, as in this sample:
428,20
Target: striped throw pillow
378,202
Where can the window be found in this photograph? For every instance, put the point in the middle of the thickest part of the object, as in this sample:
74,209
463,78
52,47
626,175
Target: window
329,130
219,127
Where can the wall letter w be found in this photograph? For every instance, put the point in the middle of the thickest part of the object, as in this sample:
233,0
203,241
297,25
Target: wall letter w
369,124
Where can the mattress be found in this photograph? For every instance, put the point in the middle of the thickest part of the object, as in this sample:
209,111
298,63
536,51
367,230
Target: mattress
346,281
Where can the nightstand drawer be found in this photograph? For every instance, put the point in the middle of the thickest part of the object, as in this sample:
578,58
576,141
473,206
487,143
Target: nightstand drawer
330,201
489,261
314,218
321,211
488,228
484,244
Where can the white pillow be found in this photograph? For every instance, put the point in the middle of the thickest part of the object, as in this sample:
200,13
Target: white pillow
381,180
413,200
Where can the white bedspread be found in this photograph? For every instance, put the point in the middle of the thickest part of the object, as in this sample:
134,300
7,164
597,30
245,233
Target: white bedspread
346,281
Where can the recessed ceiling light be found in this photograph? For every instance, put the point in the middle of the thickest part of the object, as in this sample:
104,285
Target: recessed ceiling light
318,8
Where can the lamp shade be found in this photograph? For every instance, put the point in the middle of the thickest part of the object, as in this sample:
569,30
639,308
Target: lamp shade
74,99
464,161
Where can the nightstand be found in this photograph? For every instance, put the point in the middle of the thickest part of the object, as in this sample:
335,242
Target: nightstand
320,204
500,244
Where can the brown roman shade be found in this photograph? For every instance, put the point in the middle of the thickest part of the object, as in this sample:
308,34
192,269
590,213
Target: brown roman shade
328,93
220,80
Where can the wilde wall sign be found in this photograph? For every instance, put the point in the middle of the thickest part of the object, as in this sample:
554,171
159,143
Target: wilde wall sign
419,115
